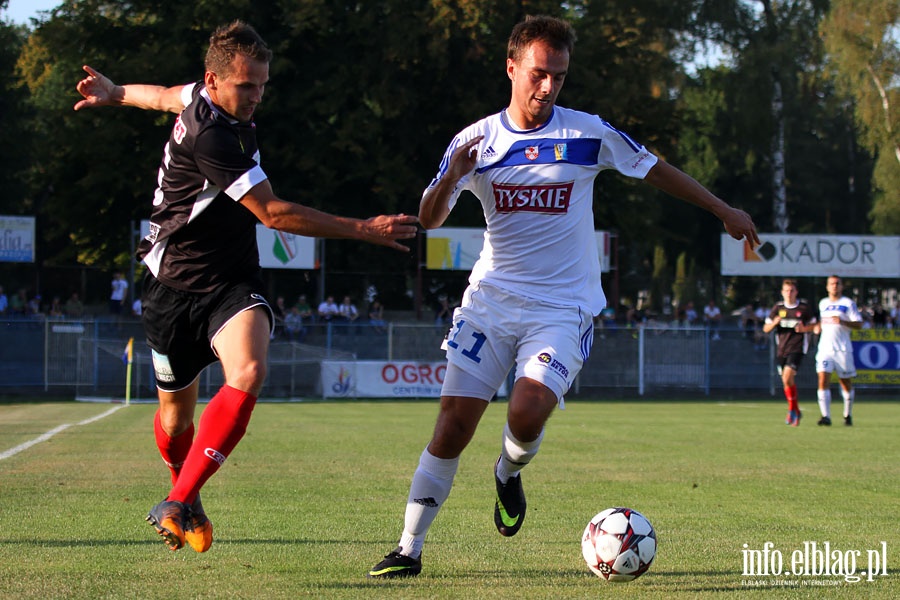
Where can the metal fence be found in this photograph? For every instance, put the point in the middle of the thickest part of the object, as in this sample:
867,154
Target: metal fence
85,358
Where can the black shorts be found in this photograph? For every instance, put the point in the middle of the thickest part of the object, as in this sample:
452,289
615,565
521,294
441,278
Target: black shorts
180,326
792,360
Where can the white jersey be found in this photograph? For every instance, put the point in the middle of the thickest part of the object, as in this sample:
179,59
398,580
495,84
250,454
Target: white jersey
536,188
836,337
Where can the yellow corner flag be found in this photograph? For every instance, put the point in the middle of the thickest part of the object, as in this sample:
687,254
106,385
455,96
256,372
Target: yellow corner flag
128,357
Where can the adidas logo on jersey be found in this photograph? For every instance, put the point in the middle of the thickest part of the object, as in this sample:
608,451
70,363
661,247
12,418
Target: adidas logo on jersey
489,152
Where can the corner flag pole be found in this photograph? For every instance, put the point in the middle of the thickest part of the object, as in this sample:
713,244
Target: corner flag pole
129,355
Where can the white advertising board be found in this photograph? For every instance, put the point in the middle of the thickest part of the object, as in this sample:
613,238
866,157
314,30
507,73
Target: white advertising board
16,239
384,379
818,255
277,250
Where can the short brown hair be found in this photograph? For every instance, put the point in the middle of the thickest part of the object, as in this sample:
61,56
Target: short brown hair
557,33
232,39
790,282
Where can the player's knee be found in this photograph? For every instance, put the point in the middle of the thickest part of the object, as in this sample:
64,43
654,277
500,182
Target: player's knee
249,376
175,419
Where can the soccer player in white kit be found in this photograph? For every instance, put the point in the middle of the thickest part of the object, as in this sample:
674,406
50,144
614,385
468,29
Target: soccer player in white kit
535,288
837,316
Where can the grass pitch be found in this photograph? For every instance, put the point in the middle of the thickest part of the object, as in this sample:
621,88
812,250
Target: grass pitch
314,496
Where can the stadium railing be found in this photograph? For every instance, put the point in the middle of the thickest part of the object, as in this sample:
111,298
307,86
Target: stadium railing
85,358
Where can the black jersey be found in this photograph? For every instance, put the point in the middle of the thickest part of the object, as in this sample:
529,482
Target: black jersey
788,340
201,236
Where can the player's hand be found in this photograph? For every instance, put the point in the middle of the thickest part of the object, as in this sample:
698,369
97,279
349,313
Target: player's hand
739,225
385,230
464,159
97,90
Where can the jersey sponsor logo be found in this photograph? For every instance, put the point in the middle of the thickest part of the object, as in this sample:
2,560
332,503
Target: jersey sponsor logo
162,366
561,151
532,152
179,131
488,153
153,233
554,364
551,198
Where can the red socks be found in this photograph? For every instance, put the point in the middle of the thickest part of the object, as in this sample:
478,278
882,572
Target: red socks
173,449
791,394
222,425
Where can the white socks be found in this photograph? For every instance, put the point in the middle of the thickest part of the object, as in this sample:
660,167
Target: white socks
514,455
430,487
848,401
433,479
824,402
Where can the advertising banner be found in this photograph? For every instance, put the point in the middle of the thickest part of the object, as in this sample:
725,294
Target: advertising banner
457,248
876,353
16,239
277,250
384,379
789,255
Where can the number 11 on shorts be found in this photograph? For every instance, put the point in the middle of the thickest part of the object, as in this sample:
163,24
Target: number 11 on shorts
471,352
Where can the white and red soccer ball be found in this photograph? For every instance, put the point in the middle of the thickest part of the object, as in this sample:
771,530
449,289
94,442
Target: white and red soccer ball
619,544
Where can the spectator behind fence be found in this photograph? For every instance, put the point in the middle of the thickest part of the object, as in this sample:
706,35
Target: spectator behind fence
73,307
17,303
347,310
712,317
294,329
56,308
376,316
305,310
328,310
118,293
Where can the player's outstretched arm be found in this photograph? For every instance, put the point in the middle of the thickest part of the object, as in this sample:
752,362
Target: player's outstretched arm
677,183
435,205
274,213
98,90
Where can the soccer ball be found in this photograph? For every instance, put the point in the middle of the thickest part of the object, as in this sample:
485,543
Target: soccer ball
619,544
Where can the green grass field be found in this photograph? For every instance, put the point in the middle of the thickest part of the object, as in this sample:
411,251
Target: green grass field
315,493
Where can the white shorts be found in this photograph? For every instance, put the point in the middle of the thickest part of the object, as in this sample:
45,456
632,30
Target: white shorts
836,362
494,330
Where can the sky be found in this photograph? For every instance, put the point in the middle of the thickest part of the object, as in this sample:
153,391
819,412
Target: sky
20,11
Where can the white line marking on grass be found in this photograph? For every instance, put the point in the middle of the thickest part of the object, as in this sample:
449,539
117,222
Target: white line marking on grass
46,436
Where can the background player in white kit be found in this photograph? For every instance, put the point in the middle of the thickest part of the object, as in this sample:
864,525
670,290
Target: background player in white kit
837,316
536,286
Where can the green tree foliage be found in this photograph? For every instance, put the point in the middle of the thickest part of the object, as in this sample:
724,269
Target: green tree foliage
364,97
862,40
14,141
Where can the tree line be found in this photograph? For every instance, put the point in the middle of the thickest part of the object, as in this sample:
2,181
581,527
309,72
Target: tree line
797,123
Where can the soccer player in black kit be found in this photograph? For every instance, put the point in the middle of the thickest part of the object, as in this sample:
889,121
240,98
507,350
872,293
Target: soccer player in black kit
203,296
792,319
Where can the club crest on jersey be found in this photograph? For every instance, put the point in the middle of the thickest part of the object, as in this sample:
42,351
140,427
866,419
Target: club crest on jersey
179,131
532,152
552,198
561,151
